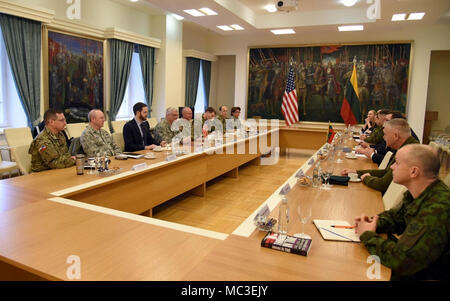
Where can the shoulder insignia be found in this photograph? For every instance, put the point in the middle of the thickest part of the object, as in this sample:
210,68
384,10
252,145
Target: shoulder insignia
42,148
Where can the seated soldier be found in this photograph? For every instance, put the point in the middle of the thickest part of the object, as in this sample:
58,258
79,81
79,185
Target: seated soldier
96,140
397,134
163,129
49,149
422,219
223,111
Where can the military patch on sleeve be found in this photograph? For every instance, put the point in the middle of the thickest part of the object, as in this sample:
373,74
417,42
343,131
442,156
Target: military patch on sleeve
42,148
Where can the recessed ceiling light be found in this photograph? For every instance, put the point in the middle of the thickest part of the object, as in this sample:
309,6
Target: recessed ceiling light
416,16
398,17
225,27
349,2
237,27
134,0
270,8
283,31
208,11
351,28
177,17
194,12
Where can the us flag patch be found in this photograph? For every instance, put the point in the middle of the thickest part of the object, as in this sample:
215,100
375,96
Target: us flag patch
43,148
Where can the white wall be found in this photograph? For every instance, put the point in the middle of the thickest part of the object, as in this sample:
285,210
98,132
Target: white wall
426,38
439,89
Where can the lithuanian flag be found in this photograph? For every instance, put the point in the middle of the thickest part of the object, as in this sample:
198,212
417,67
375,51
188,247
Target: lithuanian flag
331,134
350,106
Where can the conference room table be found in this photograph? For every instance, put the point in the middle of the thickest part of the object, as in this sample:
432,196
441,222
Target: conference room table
45,218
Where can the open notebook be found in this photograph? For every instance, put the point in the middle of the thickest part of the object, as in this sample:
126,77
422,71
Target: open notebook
331,233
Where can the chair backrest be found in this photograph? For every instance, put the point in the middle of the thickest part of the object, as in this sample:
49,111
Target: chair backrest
18,136
20,155
118,139
118,125
106,127
393,195
76,129
152,122
385,161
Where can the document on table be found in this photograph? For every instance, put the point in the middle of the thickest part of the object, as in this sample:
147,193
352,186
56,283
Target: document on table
331,233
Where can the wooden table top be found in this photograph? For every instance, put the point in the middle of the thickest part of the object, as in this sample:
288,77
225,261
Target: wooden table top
39,235
241,258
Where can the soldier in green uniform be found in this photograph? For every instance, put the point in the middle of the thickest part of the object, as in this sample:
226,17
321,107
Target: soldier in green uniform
210,122
423,220
223,111
49,149
397,134
185,125
377,135
96,140
164,130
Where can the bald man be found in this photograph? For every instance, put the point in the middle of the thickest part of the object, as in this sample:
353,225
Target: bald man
397,133
422,220
96,140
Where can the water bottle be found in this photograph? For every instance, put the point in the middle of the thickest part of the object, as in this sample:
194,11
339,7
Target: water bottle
316,175
283,217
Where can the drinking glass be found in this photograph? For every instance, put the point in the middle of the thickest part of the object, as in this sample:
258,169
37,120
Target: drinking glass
339,149
304,213
91,162
98,161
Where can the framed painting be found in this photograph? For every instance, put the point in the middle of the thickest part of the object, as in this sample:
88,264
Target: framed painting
321,75
75,74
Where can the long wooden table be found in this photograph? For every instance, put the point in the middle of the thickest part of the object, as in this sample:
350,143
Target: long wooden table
37,235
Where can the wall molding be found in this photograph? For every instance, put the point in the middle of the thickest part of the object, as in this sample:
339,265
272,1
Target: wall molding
199,55
29,11
120,34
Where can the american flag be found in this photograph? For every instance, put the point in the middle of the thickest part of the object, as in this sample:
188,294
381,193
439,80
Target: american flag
289,108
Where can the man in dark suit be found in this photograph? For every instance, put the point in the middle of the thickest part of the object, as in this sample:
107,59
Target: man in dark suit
136,132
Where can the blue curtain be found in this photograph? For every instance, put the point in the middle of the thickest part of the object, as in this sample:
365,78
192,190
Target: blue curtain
121,56
206,69
192,77
23,44
147,56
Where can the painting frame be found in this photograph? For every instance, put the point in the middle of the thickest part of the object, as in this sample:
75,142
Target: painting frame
407,58
76,111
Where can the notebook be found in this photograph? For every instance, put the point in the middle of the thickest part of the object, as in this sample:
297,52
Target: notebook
134,155
331,233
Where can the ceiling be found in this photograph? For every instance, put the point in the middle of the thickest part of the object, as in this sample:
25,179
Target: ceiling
312,15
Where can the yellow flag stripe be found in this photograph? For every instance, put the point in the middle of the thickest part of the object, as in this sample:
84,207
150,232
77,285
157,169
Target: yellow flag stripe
354,81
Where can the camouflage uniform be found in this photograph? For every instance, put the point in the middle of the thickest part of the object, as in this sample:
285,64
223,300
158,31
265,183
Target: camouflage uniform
380,179
49,151
213,124
184,126
422,252
377,136
100,141
223,121
164,132
236,124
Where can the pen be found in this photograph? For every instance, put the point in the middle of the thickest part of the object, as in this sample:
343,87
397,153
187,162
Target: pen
337,234
343,227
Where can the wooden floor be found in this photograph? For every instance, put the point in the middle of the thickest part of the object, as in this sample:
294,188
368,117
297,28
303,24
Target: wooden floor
228,202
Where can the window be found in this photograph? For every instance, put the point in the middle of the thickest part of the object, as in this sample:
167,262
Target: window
200,102
11,110
135,89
